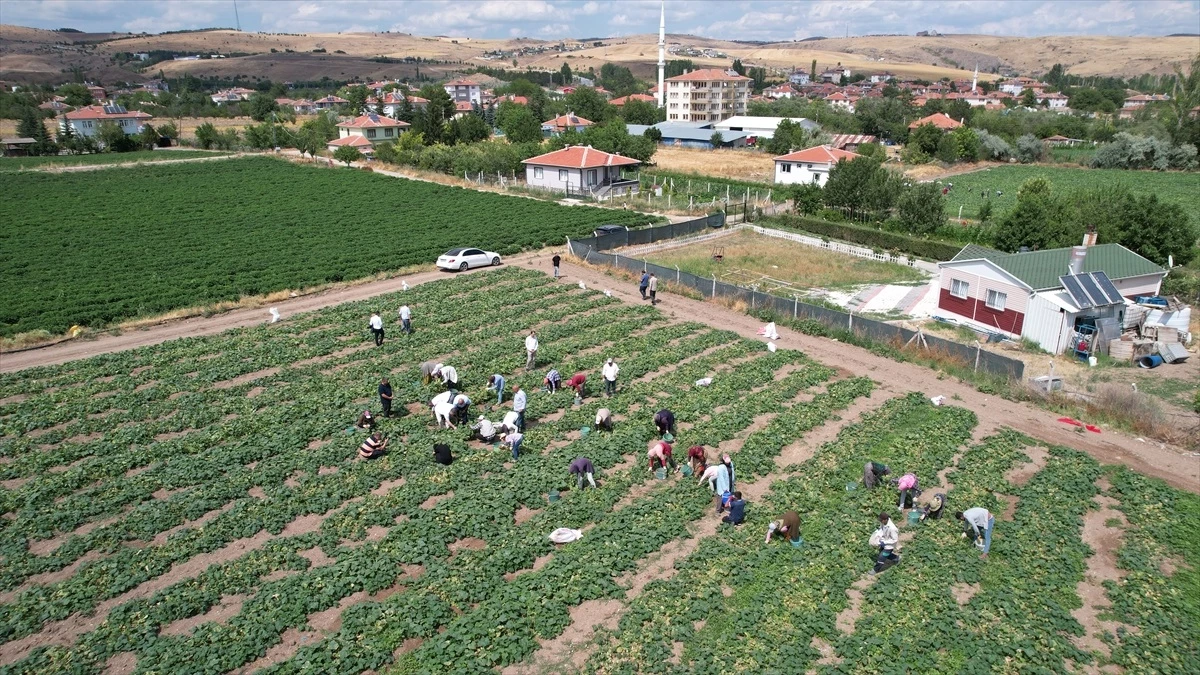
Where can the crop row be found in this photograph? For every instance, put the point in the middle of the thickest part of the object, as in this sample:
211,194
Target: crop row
165,237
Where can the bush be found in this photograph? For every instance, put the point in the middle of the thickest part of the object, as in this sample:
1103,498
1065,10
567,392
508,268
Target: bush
1029,149
993,147
911,154
870,237
1127,151
947,149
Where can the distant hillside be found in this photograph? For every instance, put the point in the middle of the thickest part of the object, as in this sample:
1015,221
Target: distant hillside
28,54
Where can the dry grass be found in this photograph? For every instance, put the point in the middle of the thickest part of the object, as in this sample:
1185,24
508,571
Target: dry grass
750,165
187,125
803,266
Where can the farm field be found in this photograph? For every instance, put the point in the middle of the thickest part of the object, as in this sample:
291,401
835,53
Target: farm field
1172,186
85,249
8,164
198,507
743,165
801,265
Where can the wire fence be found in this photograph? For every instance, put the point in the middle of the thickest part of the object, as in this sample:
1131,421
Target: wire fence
591,250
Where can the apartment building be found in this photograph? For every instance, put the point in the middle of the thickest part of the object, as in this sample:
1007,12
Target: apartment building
706,95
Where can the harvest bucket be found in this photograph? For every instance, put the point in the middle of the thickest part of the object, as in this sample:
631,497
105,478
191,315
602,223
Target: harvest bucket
668,437
584,431
552,496
660,474
686,470
797,542
914,517
851,487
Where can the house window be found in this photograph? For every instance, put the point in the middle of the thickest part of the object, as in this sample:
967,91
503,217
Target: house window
785,167
591,177
87,124
387,132
959,288
995,300
370,133
562,175
809,166
537,172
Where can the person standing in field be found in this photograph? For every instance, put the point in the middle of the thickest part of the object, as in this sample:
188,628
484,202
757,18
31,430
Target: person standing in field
609,372
376,324
531,348
644,283
982,523
496,383
886,537
653,286
604,419
582,469
556,260
385,397
788,526
406,319
519,403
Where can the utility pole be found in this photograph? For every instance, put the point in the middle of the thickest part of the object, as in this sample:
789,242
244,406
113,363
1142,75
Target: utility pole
237,18
662,53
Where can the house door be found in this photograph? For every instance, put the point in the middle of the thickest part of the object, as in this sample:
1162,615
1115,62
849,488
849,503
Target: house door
591,176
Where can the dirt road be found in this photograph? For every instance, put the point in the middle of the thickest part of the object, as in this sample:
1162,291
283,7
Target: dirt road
1171,464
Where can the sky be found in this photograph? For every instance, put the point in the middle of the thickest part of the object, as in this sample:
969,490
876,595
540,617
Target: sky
772,20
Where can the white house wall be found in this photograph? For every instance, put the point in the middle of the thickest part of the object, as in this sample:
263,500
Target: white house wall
983,277
1144,285
801,174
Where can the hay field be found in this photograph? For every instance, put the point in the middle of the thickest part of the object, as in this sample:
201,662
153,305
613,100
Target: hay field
749,165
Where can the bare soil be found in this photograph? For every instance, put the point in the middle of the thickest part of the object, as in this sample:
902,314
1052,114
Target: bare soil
1105,541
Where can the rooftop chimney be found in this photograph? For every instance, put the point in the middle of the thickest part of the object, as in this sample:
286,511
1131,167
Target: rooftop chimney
1078,253
1089,237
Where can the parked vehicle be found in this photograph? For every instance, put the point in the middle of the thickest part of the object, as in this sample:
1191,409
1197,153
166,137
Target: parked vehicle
466,258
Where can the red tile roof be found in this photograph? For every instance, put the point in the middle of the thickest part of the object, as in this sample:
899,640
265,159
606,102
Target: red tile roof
332,99
371,121
513,98
353,140
632,97
96,112
707,74
568,121
822,154
939,120
464,106
461,82
580,157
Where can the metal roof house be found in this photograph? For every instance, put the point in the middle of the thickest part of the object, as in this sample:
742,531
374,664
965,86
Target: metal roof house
698,135
1043,295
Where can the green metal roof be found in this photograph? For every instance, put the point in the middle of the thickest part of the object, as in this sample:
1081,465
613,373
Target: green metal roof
1041,269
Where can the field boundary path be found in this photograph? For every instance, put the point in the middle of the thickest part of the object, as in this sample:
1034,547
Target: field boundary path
1171,464
61,168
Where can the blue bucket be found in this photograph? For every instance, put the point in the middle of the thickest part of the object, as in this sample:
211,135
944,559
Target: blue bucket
798,542
851,487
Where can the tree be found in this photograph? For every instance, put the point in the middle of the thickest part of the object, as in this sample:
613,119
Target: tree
926,138
1030,149
468,129
385,152
1029,99
147,138
738,67
168,130
618,79
113,138
347,154
860,185
206,135
873,150
886,118
76,95
588,104
518,123
788,136
812,71
405,111
921,208
642,112
993,147
653,134
356,97
966,144
717,140
565,75
806,198
30,125
260,106
1036,221
322,126
309,140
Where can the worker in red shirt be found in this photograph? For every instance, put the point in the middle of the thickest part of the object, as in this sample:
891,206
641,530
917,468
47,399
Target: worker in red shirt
659,454
697,459
576,383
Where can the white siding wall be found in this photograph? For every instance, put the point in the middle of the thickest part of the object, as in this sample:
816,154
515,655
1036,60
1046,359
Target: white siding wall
1143,285
1048,325
801,174
550,179
92,127
982,276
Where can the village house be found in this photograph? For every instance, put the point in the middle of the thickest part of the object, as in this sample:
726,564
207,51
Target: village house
371,127
780,91
464,90
798,78
303,106
840,101
97,92
355,141
56,104
87,120
1016,85
330,102
462,108
512,98
810,166
761,127
392,103
562,123
706,95
1054,100
620,102
580,169
1044,295
939,120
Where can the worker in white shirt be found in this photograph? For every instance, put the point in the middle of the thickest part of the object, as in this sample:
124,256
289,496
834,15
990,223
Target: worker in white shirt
406,319
513,440
376,324
982,523
531,347
653,289
442,412
509,422
519,402
604,419
484,429
886,537
609,372
449,376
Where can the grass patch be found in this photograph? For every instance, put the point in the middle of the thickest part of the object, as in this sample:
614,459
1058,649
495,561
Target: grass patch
785,260
29,163
1172,186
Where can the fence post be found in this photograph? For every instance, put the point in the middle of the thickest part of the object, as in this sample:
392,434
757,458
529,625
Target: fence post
570,251
795,306
677,274
851,325
977,348
714,290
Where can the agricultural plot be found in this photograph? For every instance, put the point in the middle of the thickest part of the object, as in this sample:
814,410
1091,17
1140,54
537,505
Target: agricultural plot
91,248
198,507
8,164
1173,186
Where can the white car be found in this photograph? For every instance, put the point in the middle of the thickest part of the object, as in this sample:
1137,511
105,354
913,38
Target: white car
465,258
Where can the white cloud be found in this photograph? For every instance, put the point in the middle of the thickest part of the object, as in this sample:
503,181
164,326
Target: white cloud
589,8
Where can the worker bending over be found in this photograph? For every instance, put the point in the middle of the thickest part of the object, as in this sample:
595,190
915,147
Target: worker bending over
484,429
982,523
604,419
886,537
441,454
664,421
788,526
576,382
373,446
873,473
659,454
582,468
